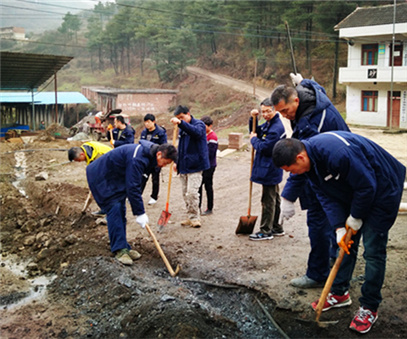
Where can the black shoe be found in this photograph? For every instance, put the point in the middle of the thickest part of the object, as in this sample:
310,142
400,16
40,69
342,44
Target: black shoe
207,212
261,236
280,233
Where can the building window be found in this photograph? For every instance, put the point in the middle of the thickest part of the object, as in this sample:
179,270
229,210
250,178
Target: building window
369,101
369,54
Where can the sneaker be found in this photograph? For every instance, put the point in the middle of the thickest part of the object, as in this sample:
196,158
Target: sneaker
195,223
152,201
124,257
134,255
207,212
363,320
333,301
99,213
186,222
305,282
278,233
261,236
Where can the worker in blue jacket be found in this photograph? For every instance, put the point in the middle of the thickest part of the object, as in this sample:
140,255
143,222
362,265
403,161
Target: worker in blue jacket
192,160
118,175
158,135
264,172
310,112
360,186
122,133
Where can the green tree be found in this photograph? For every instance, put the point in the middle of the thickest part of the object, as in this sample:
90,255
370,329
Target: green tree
70,26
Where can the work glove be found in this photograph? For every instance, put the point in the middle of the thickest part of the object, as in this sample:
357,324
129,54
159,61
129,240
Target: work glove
287,209
340,239
112,142
296,78
142,220
354,224
110,127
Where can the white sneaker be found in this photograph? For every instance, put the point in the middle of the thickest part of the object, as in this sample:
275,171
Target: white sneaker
152,201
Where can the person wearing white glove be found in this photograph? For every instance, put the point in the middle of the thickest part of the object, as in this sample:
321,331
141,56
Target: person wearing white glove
142,220
287,209
354,224
296,78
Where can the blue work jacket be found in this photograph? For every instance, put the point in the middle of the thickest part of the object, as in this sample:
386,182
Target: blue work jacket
351,175
315,114
264,172
158,136
192,147
122,137
119,174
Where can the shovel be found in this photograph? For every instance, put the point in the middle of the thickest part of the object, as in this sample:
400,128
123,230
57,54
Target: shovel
246,223
165,215
85,206
166,262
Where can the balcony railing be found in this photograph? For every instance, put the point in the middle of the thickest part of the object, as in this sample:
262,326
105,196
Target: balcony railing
371,74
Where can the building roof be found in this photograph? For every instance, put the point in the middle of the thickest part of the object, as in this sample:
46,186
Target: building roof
115,91
25,71
373,16
43,98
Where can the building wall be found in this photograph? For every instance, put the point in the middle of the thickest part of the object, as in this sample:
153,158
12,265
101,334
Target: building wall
135,104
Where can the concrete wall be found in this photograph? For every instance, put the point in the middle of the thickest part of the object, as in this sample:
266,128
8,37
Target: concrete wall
135,104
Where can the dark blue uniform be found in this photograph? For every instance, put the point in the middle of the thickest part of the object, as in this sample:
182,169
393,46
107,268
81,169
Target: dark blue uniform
119,175
122,136
315,114
352,175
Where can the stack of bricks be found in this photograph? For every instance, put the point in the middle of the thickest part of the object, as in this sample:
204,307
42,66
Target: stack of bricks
235,140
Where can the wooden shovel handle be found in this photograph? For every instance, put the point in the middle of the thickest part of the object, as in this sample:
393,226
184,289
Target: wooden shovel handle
166,262
87,202
174,140
331,277
251,169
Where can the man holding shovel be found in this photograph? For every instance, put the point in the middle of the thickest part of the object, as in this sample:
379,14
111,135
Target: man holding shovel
264,172
118,175
359,186
192,160
310,112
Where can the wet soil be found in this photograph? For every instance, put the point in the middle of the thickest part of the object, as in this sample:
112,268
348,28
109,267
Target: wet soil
228,287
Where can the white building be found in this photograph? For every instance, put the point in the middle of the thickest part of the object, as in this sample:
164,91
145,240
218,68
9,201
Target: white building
369,74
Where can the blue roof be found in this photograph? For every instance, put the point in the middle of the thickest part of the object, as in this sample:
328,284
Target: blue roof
43,98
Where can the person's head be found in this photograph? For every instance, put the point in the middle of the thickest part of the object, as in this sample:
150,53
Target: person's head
76,154
119,122
166,153
291,156
43,122
267,109
207,120
149,121
182,113
285,100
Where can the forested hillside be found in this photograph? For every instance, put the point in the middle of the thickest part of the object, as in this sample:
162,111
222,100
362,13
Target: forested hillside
240,38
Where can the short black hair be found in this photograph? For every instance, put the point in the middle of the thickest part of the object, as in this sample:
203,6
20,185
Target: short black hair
168,151
120,118
285,151
266,102
74,152
207,120
149,116
282,92
181,109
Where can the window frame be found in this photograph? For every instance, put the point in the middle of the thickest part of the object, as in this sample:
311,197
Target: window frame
365,97
369,60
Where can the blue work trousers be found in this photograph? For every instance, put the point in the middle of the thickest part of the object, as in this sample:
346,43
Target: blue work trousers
375,255
323,243
116,225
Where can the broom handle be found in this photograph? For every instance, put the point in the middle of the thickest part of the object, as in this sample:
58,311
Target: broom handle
331,277
251,169
174,140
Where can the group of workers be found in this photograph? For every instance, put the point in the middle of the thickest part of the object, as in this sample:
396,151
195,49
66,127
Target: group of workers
343,180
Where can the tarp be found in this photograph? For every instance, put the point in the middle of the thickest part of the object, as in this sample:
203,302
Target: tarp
43,98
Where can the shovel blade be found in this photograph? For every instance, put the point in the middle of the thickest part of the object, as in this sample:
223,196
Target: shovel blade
163,220
246,224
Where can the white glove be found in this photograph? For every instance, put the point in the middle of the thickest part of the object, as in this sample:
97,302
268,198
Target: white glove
287,209
142,220
340,232
340,239
354,224
296,78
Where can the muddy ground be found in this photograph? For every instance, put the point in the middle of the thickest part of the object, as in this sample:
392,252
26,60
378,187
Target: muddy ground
228,287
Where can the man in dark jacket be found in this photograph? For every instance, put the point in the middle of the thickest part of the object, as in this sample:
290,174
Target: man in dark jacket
122,133
264,172
192,160
118,175
359,185
310,112
157,135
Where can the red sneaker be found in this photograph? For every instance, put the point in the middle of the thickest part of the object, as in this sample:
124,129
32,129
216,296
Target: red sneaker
363,320
334,301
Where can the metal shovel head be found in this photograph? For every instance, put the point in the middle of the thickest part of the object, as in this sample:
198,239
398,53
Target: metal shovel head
246,224
163,220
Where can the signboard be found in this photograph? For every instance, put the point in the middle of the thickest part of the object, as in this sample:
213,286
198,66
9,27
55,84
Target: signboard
382,48
372,73
403,106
